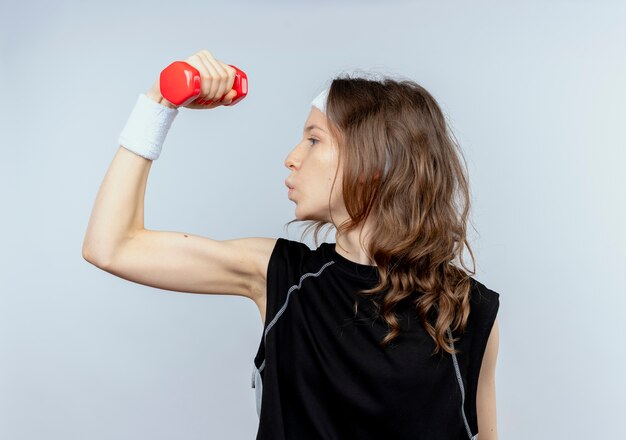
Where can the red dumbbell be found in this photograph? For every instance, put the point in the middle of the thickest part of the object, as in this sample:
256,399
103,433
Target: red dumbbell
180,84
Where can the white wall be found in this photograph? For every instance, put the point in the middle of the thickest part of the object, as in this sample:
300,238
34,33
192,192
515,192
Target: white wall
536,95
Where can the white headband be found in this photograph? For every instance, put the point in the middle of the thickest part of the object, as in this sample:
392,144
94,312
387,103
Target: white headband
320,101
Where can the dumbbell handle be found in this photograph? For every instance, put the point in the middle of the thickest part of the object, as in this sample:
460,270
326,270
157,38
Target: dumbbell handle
180,84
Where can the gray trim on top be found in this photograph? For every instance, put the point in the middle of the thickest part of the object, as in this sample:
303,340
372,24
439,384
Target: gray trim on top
291,289
257,381
458,377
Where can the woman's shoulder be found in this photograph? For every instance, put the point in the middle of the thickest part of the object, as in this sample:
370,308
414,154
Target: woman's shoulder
484,302
481,294
290,256
292,250
292,244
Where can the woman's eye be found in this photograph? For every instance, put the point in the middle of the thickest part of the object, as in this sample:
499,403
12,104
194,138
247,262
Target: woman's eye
311,139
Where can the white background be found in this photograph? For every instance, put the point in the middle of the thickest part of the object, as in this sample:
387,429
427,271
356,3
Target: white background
535,93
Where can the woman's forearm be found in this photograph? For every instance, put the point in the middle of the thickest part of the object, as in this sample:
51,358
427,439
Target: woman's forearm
118,212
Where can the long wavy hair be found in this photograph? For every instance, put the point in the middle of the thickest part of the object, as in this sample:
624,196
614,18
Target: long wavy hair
404,169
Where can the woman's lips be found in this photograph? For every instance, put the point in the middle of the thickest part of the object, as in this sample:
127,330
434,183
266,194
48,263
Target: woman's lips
290,188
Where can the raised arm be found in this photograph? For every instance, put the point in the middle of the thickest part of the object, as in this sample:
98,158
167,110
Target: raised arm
116,240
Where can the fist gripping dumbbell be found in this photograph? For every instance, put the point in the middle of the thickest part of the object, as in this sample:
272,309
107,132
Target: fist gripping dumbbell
180,84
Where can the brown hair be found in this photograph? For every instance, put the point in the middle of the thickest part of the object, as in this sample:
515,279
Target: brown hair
419,208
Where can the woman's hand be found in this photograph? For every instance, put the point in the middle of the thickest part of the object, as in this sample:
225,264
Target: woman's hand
216,83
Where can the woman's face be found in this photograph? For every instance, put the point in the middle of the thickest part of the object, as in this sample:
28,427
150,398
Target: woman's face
313,163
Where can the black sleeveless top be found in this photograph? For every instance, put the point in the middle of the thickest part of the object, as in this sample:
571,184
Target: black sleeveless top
320,373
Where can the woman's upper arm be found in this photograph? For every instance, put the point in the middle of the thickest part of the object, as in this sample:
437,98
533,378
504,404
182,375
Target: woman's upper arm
486,393
191,263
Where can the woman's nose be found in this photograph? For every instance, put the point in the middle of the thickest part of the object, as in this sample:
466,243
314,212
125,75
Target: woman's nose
290,160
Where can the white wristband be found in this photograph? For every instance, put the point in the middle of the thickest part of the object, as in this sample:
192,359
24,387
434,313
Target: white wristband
146,128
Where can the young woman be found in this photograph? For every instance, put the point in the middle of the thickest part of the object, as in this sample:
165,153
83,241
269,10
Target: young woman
382,335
